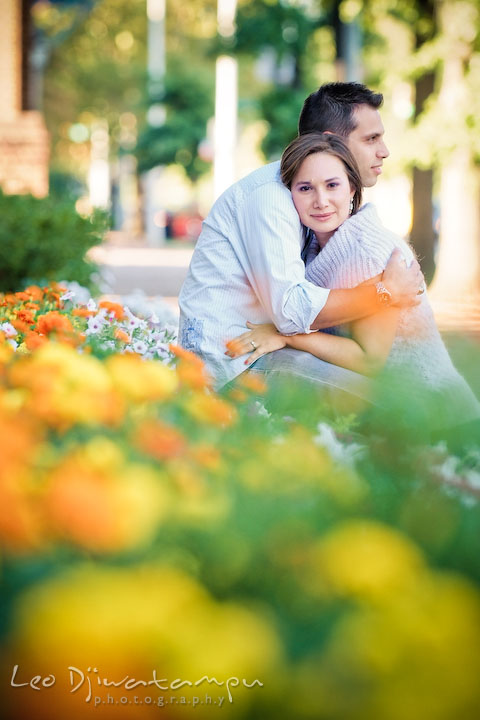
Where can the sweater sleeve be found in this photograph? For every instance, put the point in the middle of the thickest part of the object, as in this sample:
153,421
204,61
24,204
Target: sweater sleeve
358,251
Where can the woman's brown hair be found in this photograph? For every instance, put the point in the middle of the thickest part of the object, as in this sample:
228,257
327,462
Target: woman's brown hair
311,143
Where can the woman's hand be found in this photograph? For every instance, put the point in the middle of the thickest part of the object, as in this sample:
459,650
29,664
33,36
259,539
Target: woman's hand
259,340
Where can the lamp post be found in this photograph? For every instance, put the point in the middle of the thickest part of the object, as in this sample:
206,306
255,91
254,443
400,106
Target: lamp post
225,133
156,65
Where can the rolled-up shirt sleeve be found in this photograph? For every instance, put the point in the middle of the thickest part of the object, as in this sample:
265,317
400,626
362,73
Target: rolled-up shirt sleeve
272,239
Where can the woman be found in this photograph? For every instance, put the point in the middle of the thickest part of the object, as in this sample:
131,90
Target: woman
346,245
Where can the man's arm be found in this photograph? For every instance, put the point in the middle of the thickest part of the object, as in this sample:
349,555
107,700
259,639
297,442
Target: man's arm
344,306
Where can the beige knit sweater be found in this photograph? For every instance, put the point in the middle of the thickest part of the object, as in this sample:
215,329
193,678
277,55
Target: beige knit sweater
358,251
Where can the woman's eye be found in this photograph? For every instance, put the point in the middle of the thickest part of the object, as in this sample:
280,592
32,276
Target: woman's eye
304,188
333,185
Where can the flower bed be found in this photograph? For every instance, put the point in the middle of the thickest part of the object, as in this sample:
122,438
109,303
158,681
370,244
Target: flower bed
155,534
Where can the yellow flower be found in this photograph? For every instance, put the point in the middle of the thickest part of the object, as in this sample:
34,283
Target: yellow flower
364,559
130,622
402,658
66,387
141,380
294,462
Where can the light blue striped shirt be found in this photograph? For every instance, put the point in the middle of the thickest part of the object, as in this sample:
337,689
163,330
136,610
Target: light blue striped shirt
246,265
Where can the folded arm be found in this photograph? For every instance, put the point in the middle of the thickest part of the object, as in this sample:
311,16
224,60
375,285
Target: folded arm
366,352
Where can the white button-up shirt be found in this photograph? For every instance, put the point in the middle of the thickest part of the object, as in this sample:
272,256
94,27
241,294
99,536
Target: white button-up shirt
246,265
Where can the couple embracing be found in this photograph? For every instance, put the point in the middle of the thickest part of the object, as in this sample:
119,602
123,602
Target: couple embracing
290,251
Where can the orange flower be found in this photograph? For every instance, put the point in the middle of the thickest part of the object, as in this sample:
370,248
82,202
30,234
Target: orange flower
82,312
207,456
209,408
27,316
191,369
159,440
194,376
237,395
20,325
121,335
235,346
113,307
252,381
185,354
79,505
35,292
21,295
53,321
33,340
19,437
9,299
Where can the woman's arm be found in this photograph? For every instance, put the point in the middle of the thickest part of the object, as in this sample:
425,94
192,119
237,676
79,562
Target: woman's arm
365,353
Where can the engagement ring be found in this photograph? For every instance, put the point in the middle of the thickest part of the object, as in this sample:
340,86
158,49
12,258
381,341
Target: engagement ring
253,344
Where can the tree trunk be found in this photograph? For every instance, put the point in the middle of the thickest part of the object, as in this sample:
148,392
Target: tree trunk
422,235
457,278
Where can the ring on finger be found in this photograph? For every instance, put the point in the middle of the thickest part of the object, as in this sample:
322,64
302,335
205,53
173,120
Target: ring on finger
253,345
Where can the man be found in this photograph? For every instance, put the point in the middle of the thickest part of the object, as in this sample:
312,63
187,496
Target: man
247,263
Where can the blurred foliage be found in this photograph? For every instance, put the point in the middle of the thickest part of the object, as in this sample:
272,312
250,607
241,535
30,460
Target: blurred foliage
280,107
283,26
280,34
45,239
188,101
148,523
96,69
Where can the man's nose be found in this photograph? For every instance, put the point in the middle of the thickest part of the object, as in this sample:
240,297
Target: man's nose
383,151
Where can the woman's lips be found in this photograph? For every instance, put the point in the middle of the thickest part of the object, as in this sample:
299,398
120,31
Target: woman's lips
377,169
323,217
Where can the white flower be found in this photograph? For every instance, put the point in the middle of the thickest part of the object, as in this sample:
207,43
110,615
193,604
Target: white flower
82,294
91,305
133,321
347,454
473,479
69,295
261,410
448,469
140,347
8,329
13,343
95,324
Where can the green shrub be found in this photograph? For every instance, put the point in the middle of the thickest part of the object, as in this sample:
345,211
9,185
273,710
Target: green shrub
43,240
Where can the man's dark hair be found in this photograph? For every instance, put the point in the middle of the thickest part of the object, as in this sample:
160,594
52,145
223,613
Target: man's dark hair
331,108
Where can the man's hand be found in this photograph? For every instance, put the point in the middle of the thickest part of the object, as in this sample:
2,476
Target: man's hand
406,284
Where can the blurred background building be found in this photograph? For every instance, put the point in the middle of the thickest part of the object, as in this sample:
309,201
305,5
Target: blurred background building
24,143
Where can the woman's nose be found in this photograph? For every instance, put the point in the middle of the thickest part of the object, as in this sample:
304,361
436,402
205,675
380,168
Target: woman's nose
320,199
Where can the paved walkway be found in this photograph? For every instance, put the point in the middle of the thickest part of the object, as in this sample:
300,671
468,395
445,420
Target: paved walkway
157,271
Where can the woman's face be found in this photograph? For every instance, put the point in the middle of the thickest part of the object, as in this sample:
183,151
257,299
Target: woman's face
321,194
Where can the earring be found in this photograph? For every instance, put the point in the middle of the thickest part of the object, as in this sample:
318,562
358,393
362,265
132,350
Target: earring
351,206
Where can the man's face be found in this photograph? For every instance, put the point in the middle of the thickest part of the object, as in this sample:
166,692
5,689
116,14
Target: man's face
366,143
